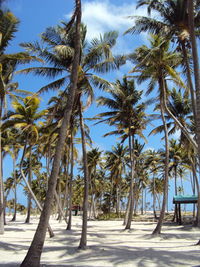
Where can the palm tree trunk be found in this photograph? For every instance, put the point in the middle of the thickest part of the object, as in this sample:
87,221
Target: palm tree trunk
69,225
66,194
157,230
189,79
175,217
127,210
83,241
131,151
117,199
61,214
190,5
154,198
15,187
1,181
29,194
58,200
192,180
142,200
51,234
34,253
197,222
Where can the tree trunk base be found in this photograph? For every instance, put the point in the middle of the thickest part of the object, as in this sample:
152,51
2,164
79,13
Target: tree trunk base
198,243
13,219
82,247
156,231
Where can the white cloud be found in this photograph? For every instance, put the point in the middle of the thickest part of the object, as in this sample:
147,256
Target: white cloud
176,135
102,16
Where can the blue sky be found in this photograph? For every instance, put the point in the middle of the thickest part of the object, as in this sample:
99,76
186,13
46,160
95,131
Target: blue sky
99,16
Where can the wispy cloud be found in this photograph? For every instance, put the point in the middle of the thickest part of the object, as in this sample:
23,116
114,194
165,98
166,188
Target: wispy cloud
102,16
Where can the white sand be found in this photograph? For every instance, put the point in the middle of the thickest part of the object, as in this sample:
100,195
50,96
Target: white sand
108,245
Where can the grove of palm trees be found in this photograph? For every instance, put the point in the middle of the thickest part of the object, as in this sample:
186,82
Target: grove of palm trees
75,200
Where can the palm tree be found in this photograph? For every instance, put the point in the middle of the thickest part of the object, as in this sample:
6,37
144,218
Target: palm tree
11,145
141,178
96,57
8,63
24,118
176,159
94,159
129,118
173,23
152,163
34,253
191,21
156,64
180,19
116,161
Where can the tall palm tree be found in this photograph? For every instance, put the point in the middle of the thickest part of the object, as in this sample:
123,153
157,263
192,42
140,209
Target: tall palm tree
24,118
173,23
8,63
34,253
129,118
141,178
94,159
176,155
152,163
191,21
96,57
116,161
156,64
180,21
11,145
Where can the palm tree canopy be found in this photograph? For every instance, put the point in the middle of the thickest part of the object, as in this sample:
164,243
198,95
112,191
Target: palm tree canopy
25,116
172,21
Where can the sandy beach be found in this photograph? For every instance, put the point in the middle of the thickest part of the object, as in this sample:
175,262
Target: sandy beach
108,244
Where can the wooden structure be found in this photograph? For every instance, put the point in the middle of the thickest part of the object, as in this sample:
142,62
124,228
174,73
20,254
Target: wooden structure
178,200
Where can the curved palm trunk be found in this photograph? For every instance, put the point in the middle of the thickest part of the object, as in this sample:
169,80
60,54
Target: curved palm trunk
131,149
83,241
60,210
69,225
182,128
51,234
189,79
157,230
197,87
34,253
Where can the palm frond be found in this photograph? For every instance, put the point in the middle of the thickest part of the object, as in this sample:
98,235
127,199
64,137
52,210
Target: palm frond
42,71
55,85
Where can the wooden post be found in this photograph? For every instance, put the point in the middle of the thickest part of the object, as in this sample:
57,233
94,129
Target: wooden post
179,214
